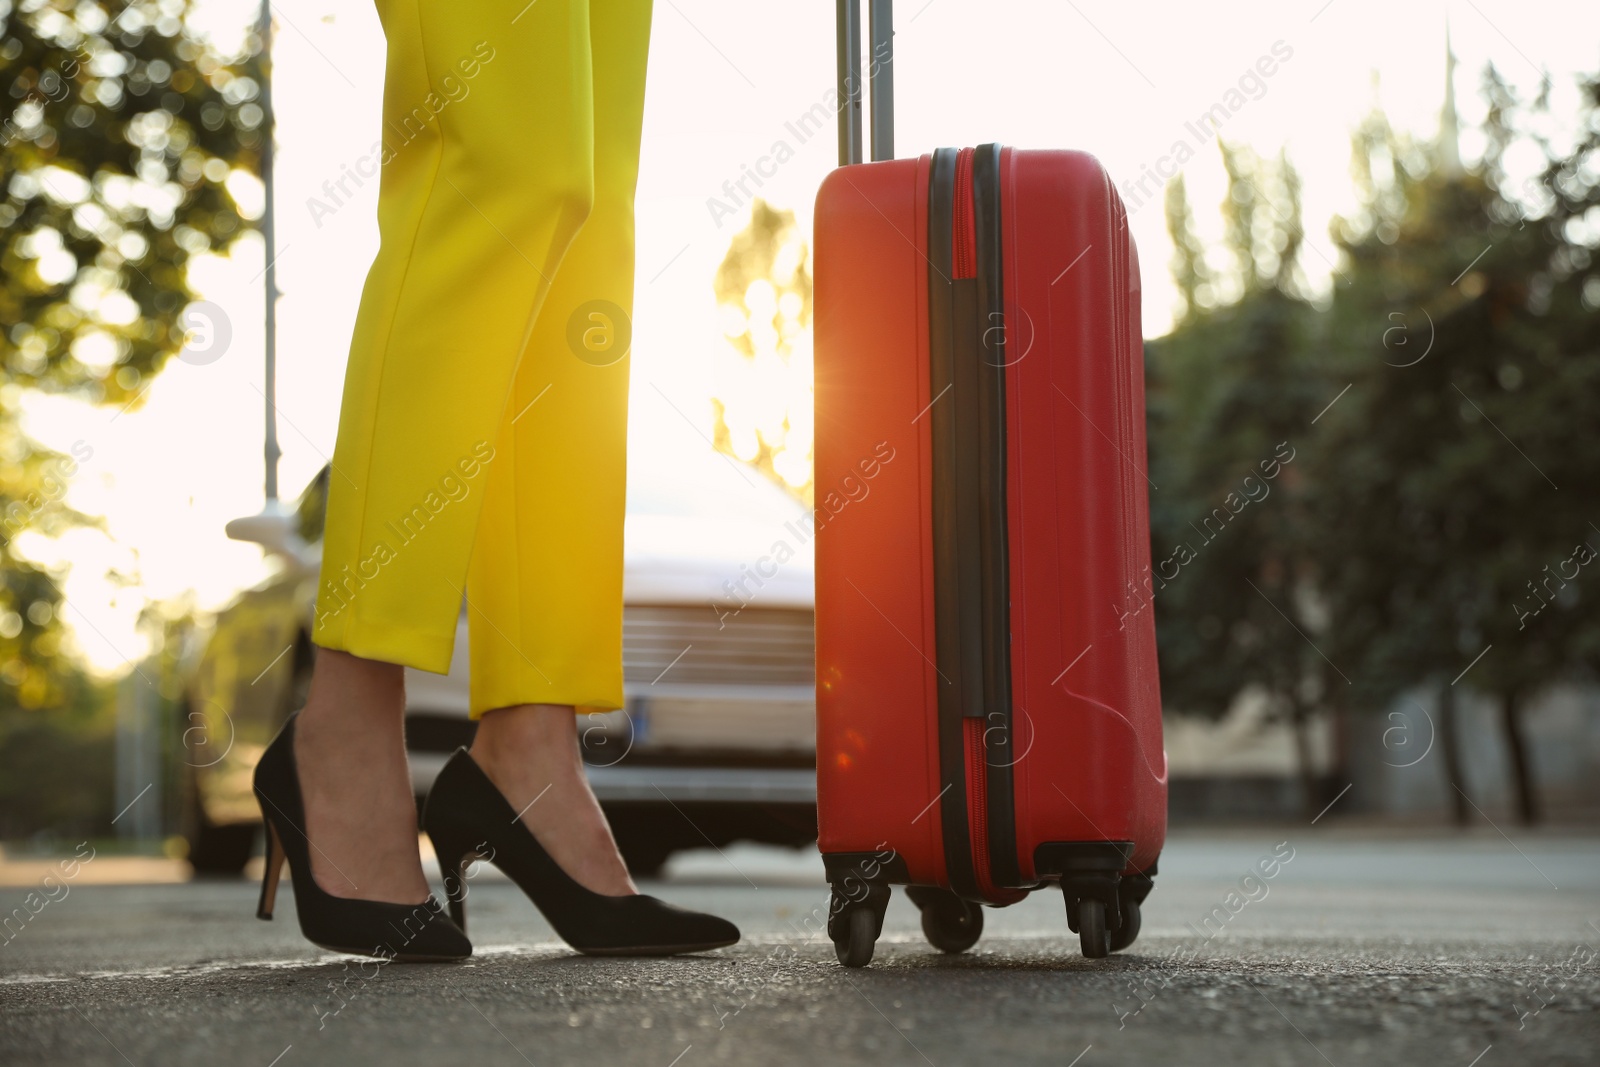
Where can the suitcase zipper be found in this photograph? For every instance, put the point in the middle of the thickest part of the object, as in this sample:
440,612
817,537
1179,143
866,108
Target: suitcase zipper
978,805
971,586
963,234
978,815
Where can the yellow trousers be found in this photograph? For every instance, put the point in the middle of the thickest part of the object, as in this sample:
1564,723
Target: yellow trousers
482,437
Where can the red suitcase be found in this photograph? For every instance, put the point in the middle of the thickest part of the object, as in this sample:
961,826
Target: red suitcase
988,709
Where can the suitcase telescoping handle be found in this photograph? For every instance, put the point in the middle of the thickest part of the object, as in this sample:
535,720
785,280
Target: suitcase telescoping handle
880,71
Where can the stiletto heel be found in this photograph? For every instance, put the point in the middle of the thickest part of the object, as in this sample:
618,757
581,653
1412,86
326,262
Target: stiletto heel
269,875
454,860
469,818
402,932
458,901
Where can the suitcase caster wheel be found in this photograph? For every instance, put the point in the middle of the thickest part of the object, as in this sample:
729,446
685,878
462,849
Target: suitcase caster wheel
1123,936
951,924
1092,932
860,935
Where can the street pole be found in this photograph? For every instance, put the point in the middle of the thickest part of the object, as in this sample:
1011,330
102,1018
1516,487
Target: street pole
268,237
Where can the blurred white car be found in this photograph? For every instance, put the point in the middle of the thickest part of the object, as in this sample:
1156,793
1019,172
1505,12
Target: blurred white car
717,741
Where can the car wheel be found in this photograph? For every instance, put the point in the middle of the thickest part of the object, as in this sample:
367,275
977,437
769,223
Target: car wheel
221,850
217,850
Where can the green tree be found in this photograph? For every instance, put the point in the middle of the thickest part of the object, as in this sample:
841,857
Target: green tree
1451,491
119,137
1230,399
763,286
1189,270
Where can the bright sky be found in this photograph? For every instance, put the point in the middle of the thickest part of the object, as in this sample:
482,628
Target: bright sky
1120,80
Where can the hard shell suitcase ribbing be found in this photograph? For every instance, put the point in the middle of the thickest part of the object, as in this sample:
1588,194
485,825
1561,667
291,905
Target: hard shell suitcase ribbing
988,710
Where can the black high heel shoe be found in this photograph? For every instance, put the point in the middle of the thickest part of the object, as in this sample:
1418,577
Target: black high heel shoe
469,818
408,933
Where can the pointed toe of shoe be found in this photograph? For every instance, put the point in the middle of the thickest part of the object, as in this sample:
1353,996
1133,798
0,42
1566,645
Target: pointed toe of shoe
399,933
436,939
716,932
440,940
468,816
646,926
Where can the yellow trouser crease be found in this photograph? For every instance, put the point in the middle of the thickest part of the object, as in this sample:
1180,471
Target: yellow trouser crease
479,454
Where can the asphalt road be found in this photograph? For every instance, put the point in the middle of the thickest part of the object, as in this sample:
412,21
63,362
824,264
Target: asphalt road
1364,949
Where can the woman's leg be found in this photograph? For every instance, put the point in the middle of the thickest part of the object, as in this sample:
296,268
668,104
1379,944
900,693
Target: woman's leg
530,752
487,176
351,755
545,587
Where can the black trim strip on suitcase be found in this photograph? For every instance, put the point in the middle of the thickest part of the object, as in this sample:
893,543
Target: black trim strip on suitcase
994,607
956,679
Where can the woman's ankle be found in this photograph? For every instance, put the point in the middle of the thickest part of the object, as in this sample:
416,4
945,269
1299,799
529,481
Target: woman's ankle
355,783
530,753
351,693
538,737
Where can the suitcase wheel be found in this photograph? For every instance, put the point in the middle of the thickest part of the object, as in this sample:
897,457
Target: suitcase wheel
859,935
951,923
1123,935
1092,932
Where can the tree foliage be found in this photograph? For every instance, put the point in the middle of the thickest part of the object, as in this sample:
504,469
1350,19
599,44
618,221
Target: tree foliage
1442,498
763,415
120,135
